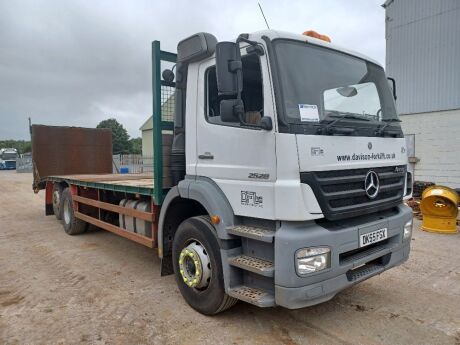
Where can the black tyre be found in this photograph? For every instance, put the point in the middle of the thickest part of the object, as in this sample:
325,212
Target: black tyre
198,267
57,201
72,225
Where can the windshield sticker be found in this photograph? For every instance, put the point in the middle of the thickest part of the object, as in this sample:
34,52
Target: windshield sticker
308,112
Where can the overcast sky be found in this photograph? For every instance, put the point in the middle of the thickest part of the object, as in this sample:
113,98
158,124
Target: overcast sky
76,63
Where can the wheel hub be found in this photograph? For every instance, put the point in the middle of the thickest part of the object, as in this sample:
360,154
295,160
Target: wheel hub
56,199
194,266
66,212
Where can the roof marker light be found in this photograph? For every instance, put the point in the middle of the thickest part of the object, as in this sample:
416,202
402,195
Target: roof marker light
314,34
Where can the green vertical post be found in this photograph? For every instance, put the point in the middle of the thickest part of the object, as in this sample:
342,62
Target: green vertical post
157,137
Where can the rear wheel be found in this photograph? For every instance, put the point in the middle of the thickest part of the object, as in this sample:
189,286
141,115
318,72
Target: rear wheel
57,196
198,267
72,225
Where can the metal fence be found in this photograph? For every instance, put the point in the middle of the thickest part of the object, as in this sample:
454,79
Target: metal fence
133,164
24,164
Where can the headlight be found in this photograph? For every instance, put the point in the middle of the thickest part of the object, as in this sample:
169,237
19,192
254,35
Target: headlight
408,229
309,260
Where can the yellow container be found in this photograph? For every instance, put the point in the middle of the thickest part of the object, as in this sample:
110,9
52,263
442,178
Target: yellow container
439,210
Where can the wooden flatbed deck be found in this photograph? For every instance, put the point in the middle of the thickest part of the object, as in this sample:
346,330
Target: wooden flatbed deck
85,197
131,183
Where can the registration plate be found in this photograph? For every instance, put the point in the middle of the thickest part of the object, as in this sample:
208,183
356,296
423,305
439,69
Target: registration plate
373,237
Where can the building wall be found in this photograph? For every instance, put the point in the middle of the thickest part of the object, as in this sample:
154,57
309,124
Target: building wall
147,143
437,145
423,53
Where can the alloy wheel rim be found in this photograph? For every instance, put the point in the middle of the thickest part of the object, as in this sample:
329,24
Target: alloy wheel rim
195,266
66,213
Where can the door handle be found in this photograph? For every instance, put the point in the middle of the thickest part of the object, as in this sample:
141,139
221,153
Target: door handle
206,155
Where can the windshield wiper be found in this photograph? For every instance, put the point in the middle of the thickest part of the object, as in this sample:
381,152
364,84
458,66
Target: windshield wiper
381,130
327,129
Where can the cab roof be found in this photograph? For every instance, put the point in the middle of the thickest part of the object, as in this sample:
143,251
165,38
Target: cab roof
275,34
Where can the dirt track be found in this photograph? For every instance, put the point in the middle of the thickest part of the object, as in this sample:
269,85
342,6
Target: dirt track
98,288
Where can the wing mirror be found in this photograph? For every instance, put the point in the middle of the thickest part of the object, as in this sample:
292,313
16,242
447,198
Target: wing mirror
231,110
168,75
229,73
229,69
266,123
347,91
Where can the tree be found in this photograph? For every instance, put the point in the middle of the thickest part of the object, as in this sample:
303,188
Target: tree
120,137
22,146
135,146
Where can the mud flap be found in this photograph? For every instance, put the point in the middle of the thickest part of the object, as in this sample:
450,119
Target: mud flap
49,199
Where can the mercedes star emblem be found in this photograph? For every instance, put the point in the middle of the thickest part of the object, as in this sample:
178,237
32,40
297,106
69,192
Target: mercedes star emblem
372,184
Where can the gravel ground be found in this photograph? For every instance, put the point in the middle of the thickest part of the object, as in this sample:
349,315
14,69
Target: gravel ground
98,288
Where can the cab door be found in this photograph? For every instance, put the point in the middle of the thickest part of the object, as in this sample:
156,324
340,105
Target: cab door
241,161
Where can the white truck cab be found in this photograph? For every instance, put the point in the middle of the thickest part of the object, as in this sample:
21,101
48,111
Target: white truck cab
267,163
282,184
294,149
8,158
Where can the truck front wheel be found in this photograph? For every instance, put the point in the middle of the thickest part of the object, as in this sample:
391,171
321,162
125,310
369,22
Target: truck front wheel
72,225
198,267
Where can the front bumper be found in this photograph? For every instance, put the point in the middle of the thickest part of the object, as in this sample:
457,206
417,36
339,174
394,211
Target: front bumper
8,165
349,263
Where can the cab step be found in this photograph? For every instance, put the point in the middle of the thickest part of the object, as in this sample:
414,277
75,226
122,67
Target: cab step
252,295
256,265
260,234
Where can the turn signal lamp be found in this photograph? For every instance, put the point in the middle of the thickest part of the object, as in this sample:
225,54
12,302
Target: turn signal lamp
314,34
215,219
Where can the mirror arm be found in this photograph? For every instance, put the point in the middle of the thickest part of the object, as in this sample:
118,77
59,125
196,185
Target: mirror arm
244,38
239,110
255,46
393,81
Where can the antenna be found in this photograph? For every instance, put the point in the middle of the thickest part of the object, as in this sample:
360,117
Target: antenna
263,15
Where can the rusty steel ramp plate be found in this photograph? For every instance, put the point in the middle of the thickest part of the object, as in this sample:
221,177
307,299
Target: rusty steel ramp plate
70,150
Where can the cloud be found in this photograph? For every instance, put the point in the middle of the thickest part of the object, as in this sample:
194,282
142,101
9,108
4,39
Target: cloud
78,62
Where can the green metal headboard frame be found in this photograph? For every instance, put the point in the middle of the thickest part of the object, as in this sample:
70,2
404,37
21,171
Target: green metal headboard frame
159,125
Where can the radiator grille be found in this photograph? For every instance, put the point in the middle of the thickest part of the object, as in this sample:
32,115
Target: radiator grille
341,193
10,164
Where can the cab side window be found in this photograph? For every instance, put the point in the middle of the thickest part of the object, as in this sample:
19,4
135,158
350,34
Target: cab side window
252,94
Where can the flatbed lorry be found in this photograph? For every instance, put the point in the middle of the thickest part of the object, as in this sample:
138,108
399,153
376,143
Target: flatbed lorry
278,178
8,157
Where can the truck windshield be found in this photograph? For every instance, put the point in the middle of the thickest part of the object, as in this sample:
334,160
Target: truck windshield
8,156
319,85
